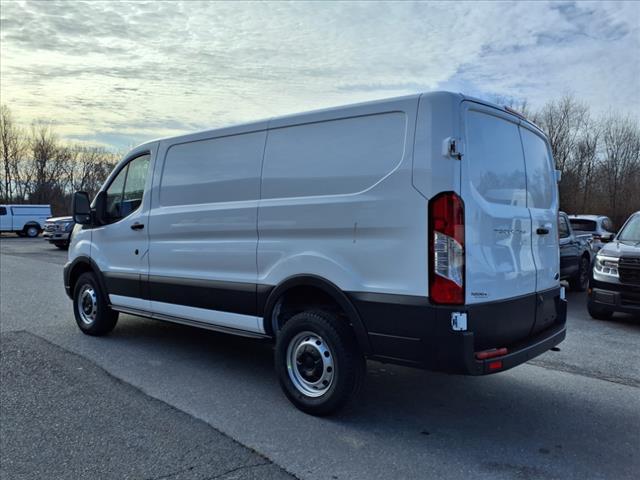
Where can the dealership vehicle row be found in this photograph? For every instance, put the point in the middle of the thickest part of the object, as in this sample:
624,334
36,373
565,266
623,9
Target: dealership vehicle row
572,413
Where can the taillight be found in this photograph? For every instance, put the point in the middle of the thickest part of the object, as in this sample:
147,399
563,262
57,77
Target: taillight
446,249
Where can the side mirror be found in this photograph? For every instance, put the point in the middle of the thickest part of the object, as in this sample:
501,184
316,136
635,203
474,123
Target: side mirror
100,206
608,237
81,208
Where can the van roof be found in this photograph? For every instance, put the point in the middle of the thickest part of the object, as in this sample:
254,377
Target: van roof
262,124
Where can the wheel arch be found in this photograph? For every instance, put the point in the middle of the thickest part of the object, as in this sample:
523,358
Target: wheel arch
31,223
328,289
77,267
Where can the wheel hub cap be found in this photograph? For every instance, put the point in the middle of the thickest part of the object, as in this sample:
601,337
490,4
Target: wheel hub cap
87,304
310,364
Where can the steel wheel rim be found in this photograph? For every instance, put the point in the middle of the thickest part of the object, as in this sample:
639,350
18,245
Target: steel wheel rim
32,231
310,364
87,303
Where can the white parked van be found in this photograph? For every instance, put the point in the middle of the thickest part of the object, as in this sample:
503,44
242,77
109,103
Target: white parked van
419,230
24,220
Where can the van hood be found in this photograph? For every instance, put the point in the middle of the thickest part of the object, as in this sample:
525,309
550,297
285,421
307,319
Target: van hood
618,248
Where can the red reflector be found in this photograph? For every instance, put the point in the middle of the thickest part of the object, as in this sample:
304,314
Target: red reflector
494,352
497,365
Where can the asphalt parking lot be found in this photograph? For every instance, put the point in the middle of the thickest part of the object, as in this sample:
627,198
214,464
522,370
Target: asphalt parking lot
156,400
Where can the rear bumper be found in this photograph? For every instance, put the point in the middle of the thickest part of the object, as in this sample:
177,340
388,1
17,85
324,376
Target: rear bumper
615,296
518,354
411,331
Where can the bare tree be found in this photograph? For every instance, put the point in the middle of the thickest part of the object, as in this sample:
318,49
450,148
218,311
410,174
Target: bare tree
12,146
620,164
563,121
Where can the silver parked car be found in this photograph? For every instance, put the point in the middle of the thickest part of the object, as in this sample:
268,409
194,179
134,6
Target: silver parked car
599,227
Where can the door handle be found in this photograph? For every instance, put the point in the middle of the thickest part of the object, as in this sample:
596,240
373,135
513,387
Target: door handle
539,231
137,226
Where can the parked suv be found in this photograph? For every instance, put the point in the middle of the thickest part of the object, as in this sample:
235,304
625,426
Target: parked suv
405,230
598,227
57,231
615,279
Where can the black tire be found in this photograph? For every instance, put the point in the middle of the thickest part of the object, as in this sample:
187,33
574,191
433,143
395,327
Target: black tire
580,281
598,312
31,231
347,363
62,245
101,319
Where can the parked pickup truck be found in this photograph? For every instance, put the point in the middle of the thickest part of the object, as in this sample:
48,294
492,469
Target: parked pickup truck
57,231
24,220
575,255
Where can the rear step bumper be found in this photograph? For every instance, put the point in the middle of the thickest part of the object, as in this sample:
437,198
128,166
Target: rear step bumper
411,331
517,354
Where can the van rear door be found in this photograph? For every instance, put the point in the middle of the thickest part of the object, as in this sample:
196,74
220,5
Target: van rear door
542,200
500,263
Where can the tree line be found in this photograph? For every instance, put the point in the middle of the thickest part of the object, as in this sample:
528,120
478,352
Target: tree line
599,157
39,168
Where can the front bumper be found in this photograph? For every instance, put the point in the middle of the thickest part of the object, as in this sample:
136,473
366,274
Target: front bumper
615,296
56,236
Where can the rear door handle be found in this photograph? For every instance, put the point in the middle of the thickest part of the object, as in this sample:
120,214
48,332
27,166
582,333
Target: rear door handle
539,231
137,226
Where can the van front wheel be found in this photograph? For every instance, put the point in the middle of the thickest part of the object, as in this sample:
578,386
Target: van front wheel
93,315
318,362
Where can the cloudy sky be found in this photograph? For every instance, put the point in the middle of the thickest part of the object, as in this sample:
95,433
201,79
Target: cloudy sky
118,73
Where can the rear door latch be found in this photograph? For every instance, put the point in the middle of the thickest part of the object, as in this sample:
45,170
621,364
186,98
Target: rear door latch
452,147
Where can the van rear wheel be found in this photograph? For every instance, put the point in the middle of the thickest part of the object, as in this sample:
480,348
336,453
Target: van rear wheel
90,307
319,364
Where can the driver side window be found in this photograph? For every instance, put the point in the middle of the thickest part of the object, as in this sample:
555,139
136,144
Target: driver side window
124,195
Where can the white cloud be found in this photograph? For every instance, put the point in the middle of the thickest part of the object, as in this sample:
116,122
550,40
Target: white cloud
131,71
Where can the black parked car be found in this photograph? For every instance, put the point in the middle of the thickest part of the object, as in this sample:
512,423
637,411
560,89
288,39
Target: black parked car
615,278
575,255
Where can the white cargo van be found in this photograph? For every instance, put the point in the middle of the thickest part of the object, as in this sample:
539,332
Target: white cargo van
24,220
419,230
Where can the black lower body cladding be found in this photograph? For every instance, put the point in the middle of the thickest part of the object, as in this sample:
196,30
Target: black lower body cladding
393,328
410,330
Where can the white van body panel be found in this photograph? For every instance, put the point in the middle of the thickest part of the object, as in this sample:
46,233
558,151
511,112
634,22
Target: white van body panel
335,201
543,203
204,215
509,194
233,217
499,257
120,252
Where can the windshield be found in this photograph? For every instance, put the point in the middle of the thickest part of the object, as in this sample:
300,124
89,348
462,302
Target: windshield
583,225
631,231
